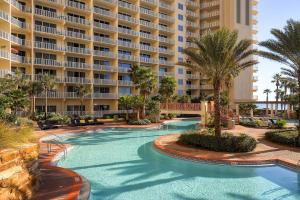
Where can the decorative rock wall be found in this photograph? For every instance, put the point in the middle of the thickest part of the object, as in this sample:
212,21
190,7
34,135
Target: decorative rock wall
19,172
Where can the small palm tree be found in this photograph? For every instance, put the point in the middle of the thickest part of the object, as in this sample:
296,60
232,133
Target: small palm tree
276,79
267,92
285,48
82,90
219,56
34,89
125,101
167,89
48,84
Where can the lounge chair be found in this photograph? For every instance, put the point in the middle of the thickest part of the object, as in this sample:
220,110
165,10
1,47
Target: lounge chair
44,125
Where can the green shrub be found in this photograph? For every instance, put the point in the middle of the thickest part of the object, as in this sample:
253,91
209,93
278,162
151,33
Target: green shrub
252,124
280,123
286,137
229,142
59,119
168,116
139,122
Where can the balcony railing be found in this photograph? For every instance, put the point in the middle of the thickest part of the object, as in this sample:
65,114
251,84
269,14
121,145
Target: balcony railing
104,95
105,82
127,19
77,65
104,68
127,57
128,44
148,48
104,54
166,51
166,29
128,6
70,49
153,2
166,74
105,26
127,31
148,12
192,76
104,12
77,5
148,36
4,16
148,24
70,79
20,7
165,6
47,29
165,62
48,62
4,54
19,41
77,20
148,60
47,45
104,40
72,95
125,83
19,24
77,35
47,13
51,95
20,59
166,17
166,40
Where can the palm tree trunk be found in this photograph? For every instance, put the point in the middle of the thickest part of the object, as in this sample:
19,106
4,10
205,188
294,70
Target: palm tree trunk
144,107
33,106
267,107
127,115
81,104
138,114
46,103
217,111
298,110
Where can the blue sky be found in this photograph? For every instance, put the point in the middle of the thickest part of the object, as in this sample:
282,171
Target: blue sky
272,14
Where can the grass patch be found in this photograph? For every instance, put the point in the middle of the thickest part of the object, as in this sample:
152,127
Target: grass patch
285,137
229,142
13,136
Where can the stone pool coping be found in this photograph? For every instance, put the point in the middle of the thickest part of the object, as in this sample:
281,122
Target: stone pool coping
168,145
69,185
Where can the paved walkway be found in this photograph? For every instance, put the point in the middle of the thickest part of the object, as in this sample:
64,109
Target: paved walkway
265,152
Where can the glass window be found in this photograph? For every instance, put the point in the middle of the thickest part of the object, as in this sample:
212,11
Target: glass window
180,38
180,27
180,6
180,81
180,49
180,92
180,17
180,70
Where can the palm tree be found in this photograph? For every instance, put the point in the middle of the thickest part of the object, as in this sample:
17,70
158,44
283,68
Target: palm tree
125,101
48,84
82,90
34,89
219,56
276,79
167,89
267,92
145,81
136,104
284,86
285,48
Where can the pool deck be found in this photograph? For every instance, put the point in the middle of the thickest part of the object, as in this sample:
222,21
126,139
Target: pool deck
265,152
61,183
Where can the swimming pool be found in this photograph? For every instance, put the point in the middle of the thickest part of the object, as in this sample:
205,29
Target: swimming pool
121,164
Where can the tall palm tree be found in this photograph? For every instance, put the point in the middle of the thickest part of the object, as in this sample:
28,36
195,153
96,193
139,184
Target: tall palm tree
145,81
267,92
48,83
285,48
284,85
276,79
34,89
82,90
219,55
125,101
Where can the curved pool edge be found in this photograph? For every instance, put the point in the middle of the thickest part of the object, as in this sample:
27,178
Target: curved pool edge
80,187
158,146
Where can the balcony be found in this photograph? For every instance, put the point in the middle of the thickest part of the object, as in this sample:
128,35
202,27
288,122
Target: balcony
191,45
123,70
97,95
77,35
104,68
77,20
254,88
75,95
127,31
192,87
77,80
211,25
166,74
192,35
166,51
19,24
20,59
148,24
47,62
128,19
211,4
77,5
51,95
105,27
147,48
150,2
20,7
192,76
166,40
4,16
125,83
191,14
105,82
128,6
191,24
105,13
38,77
5,35
47,45
148,36
128,44
167,18
148,12
4,54
104,40
70,49
77,65
192,4
209,15
106,54
166,29
21,42
165,6
206,87
255,78
48,14
127,57
165,62
148,60
46,29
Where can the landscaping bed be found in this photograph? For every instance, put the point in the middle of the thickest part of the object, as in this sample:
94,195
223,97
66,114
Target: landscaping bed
229,142
285,137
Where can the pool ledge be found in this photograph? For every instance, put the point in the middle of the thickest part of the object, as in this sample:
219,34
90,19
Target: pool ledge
168,145
58,182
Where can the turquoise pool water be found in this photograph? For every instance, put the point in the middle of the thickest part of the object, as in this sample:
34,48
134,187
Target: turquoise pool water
121,164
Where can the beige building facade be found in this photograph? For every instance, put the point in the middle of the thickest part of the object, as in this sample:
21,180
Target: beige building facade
95,42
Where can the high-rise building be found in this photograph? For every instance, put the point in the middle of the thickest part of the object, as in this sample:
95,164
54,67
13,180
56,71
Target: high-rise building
95,42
